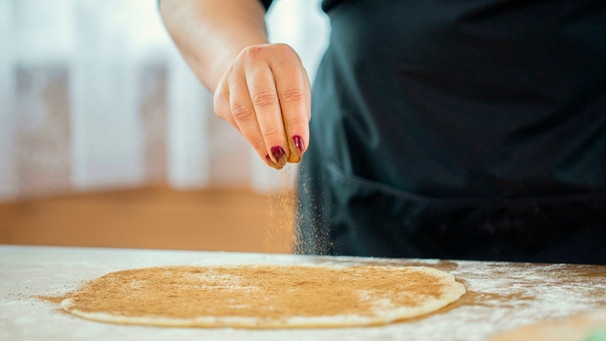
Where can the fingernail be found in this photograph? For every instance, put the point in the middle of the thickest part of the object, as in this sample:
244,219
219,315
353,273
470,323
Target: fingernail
277,153
299,143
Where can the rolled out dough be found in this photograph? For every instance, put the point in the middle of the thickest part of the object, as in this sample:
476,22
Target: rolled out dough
264,296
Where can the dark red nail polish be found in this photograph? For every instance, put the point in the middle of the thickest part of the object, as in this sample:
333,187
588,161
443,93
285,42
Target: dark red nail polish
268,158
299,142
277,152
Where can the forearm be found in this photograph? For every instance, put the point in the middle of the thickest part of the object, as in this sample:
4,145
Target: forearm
211,33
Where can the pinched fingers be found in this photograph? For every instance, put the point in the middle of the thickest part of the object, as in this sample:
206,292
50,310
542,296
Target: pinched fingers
265,95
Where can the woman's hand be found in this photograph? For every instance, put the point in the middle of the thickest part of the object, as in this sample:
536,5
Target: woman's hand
266,95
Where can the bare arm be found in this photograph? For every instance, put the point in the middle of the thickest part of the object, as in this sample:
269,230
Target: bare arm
262,89
211,33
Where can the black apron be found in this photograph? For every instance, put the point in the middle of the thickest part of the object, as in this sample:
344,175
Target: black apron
468,129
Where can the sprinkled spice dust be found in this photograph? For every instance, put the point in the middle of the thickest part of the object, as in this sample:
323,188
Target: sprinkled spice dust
282,207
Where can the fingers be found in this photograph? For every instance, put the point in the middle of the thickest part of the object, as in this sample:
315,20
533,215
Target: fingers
265,94
231,103
292,83
264,97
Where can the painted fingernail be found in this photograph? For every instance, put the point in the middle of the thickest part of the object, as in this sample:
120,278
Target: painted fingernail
299,143
277,153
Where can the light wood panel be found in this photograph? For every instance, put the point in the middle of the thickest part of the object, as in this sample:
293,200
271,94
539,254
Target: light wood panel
214,220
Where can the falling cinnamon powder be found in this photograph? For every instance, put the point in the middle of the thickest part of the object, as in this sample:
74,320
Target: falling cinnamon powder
282,207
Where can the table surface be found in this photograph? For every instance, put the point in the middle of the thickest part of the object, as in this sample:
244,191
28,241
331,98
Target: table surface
500,296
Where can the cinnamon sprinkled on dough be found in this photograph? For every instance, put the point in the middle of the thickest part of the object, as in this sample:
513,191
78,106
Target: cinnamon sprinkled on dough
268,293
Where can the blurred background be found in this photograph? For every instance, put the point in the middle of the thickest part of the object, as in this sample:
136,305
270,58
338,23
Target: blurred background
107,139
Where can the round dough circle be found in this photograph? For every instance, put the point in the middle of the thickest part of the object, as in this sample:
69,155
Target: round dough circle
264,296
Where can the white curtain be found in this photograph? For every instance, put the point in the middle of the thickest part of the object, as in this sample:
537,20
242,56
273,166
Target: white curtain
93,95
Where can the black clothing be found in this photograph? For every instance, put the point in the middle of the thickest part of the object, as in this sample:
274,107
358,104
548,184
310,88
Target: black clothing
459,129
327,5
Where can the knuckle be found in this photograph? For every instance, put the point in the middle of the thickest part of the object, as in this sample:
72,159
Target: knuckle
253,52
264,99
283,48
241,112
292,95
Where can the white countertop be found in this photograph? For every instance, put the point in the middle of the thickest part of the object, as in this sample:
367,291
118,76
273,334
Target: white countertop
500,296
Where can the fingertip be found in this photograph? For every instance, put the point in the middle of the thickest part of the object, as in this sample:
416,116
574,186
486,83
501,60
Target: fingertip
280,157
271,163
297,148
